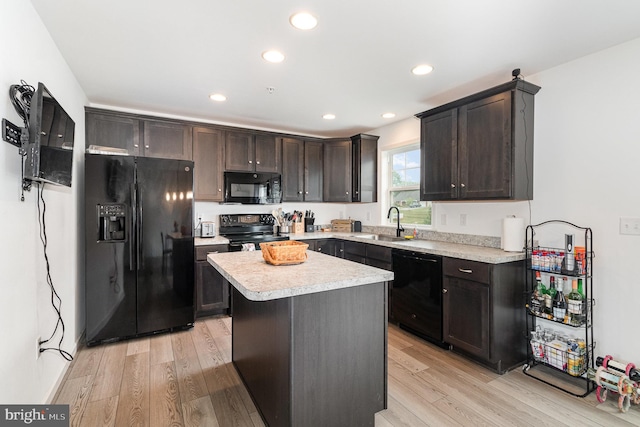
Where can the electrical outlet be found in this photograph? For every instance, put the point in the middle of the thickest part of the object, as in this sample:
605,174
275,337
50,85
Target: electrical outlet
463,219
38,348
630,226
443,219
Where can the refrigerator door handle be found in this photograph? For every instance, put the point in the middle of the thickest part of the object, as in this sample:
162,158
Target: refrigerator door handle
132,230
140,236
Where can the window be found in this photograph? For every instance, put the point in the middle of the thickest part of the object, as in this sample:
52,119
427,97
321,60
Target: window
404,187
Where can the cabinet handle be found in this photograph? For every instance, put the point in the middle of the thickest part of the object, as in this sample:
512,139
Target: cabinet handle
306,192
413,316
444,291
146,146
215,252
319,249
257,162
219,190
347,193
299,192
453,186
250,161
465,270
135,145
462,185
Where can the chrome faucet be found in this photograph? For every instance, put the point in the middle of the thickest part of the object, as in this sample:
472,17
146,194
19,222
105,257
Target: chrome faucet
399,229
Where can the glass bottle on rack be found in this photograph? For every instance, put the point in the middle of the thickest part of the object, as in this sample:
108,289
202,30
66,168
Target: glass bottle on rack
549,297
575,305
559,305
537,298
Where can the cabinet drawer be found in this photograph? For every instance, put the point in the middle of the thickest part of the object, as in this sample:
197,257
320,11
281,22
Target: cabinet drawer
354,248
469,270
379,253
202,251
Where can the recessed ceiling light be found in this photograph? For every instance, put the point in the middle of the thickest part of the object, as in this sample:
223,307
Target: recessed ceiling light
273,56
329,116
217,97
303,21
422,69
389,115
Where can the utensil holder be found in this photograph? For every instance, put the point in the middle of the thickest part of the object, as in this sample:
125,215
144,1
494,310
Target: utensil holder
298,228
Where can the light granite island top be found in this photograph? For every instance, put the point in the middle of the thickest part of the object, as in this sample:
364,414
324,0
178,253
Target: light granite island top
309,341
259,281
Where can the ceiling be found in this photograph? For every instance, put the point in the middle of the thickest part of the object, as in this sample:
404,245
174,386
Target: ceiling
168,56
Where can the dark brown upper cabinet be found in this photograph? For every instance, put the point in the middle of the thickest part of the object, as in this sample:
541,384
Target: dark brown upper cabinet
364,183
337,171
302,163
107,130
138,135
480,147
208,157
167,140
251,152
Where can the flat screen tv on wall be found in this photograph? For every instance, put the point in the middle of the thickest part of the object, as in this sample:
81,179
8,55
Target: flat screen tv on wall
49,154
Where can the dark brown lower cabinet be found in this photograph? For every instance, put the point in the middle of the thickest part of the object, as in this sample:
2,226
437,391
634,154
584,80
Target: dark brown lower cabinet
212,290
482,311
312,360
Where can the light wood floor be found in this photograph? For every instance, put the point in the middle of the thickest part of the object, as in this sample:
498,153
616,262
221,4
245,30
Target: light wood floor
187,379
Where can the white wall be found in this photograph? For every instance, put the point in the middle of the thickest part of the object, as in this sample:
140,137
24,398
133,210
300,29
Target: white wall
585,171
25,308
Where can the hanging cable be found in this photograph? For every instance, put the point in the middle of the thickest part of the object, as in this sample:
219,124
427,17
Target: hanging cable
56,301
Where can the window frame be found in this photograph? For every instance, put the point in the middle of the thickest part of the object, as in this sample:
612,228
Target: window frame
390,188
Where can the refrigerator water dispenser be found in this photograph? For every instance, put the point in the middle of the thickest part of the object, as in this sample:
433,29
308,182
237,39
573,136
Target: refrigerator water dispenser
112,223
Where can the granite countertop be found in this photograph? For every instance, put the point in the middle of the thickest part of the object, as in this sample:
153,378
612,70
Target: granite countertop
217,240
259,281
452,250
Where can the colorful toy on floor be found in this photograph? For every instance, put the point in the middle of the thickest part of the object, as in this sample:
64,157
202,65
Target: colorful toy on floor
618,378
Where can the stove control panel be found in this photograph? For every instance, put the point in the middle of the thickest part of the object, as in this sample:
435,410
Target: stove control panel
246,219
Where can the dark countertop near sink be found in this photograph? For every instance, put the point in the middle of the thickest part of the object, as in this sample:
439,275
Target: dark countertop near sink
452,250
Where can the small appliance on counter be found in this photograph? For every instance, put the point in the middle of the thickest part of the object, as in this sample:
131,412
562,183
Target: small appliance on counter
208,229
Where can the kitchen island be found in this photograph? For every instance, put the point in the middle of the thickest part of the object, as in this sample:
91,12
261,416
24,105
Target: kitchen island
309,340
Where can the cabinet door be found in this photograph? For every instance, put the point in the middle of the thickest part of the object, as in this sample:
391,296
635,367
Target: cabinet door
208,156
212,290
364,169
292,170
313,164
239,151
112,131
268,154
485,149
466,318
167,140
337,171
438,149
326,246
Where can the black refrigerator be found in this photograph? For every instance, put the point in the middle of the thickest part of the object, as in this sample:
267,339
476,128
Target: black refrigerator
138,246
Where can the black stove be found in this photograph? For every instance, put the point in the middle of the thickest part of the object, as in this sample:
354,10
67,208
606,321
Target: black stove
248,228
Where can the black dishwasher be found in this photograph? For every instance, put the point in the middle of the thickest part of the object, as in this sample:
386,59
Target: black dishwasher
417,293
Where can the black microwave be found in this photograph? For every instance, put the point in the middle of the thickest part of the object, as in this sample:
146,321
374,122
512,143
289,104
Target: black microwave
252,188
